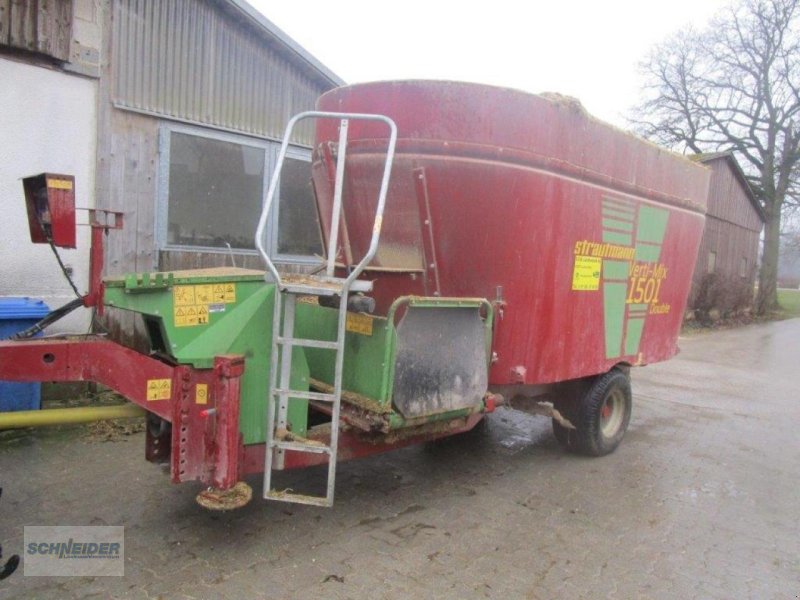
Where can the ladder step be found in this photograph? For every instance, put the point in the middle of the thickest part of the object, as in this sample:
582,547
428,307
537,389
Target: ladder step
308,343
306,289
306,395
321,286
302,447
285,496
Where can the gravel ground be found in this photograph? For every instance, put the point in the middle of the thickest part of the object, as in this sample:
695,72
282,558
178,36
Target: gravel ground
702,500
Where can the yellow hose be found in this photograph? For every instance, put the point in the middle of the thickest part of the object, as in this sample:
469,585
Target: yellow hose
62,416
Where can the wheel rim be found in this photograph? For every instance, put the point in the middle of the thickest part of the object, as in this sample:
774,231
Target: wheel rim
612,413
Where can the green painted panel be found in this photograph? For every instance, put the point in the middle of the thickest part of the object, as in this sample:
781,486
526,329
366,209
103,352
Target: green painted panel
621,239
238,320
618,214
366,367
182,339
243,326
617,224
647,253
652,224
634,335
369,359
615,269
614,312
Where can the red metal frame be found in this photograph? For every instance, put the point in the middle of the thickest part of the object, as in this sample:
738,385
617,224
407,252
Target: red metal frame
53,195
101,221
202,406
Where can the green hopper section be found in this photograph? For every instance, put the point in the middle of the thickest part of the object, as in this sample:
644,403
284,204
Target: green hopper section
192,316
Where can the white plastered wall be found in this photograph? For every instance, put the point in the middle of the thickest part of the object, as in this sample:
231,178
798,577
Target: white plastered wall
48,123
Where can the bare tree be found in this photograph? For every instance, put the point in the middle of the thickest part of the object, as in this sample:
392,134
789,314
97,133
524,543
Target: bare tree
735,86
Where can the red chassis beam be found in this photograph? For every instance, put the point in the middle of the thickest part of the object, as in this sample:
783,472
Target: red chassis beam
202,406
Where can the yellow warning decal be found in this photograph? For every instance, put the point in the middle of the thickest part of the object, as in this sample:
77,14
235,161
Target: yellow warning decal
201,393
586,274
193,303
223,292
183,295
59,184
181,317
358,323
203,294
159,389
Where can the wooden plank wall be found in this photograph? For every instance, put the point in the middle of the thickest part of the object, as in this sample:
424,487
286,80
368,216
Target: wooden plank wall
125,180
732,228
728,199
731,243
43,26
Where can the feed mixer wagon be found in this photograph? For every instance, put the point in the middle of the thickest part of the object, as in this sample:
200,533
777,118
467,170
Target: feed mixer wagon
483,246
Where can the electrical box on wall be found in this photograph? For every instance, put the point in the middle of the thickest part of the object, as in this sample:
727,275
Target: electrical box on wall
51,208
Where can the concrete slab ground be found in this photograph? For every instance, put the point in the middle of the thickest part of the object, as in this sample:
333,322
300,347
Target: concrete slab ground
702,500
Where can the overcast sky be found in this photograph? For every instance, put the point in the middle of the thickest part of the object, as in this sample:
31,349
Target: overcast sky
582,48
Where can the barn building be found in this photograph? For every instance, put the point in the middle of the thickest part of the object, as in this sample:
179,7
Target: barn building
727,262
170,112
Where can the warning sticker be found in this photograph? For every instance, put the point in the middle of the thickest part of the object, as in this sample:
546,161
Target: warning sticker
358,323
586,274
159,389
203,294
201,393
192,304
183,295
59,184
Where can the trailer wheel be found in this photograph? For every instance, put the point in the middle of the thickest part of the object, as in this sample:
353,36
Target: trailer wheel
600,415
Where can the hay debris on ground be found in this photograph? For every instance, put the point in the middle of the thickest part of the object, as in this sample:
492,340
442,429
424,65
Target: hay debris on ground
113,430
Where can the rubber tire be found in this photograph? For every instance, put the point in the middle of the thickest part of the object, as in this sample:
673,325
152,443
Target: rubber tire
587,438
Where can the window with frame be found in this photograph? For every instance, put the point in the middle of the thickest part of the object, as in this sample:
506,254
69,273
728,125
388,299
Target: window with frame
298,228
712,261
743,267
212,191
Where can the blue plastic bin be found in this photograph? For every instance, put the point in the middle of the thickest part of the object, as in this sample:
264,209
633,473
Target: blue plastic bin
17,314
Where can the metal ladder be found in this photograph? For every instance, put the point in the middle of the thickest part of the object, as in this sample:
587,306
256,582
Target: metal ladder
279,439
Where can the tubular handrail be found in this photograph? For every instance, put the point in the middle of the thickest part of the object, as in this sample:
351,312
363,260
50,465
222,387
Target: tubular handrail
338,186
